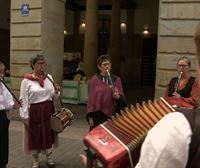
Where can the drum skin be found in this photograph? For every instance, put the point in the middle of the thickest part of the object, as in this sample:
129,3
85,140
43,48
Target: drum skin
56,124
61,120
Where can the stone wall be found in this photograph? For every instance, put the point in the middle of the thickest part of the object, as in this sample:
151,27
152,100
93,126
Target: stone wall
177,23
39,32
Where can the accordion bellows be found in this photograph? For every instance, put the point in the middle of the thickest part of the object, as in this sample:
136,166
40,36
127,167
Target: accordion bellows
117,141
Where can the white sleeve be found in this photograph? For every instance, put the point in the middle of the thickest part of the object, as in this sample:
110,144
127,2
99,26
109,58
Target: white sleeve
167,143
24,110
9,100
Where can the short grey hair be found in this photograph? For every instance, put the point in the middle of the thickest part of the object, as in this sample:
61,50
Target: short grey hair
185,59
36,58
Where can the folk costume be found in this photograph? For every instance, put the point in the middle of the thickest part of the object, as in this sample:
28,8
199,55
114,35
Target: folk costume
101,104
189,91
37,95
6,104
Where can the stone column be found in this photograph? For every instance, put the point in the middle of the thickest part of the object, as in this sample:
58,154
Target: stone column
41,31
91,38
115,37
53,22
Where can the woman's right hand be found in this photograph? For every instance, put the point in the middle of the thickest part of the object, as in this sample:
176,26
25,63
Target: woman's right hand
57,88
90,122
115,93
176,95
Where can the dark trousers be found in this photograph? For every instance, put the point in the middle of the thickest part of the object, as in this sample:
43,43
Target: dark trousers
98,118
4,140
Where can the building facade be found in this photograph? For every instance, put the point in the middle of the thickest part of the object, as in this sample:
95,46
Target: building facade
40,30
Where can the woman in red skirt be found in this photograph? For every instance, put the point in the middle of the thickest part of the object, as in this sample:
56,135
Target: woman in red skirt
37,93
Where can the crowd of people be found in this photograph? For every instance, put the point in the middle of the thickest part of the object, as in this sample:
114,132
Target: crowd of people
179,132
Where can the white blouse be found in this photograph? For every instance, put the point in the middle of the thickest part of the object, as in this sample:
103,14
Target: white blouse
167,143
31,92
6,99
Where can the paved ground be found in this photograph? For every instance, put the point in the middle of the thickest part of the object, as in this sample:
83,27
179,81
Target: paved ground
71,145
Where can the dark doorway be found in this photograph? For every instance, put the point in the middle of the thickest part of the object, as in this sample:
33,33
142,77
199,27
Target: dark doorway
104,34
148,66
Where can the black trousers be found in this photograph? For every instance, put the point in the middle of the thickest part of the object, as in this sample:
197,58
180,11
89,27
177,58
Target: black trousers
4,140
98,118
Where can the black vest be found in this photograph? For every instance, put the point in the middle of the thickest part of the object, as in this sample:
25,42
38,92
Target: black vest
185,92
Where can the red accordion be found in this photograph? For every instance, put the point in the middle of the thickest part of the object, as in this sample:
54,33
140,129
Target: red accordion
117,141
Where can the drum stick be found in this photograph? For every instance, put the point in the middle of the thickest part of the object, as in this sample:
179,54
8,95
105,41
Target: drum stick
178,81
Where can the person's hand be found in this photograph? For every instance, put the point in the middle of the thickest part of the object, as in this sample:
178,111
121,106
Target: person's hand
57,88
176,95
25,121
90,122
17,104
115,93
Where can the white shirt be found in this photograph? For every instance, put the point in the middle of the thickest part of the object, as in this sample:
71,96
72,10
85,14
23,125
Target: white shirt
6,99
167,143
31,92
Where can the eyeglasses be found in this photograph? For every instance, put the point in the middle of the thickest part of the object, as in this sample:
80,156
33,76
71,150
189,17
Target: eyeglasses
40,63
106,64
182,65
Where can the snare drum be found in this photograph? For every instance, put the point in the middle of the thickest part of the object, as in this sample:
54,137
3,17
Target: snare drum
61,120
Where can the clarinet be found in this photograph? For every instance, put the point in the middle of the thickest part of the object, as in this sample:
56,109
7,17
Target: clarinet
11,92
178,81
109,77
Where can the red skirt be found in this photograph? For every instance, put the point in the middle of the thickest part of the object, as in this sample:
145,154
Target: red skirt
40,135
